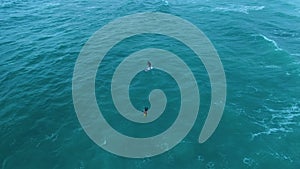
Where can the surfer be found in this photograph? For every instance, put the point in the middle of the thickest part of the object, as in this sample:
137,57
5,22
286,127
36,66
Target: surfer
149,66
145,111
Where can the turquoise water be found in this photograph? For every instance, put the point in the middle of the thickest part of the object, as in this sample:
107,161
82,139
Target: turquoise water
257,41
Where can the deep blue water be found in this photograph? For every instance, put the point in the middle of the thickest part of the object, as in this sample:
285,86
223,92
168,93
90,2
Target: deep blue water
258,43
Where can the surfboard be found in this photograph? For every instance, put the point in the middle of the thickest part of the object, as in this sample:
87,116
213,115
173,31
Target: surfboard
148,68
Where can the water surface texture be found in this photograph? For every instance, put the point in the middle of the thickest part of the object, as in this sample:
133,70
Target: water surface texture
258,43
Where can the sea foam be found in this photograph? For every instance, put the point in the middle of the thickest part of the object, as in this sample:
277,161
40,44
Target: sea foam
239,8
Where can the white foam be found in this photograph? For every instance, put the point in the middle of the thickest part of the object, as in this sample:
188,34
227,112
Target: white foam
248,161
180,2
272,67
200,158
53,137
165,2
104,143
164,146
253,87
210,165
239,8
269,132
281,156
280,121
271,40
50,4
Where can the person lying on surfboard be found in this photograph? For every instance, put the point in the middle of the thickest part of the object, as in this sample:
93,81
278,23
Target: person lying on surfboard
145,111
149,66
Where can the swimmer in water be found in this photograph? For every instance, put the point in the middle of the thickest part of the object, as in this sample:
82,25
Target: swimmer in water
149,66
145,111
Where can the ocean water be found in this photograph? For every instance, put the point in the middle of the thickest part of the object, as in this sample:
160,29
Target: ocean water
258,43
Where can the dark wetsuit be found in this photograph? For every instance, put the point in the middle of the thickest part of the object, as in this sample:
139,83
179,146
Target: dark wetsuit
145,111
